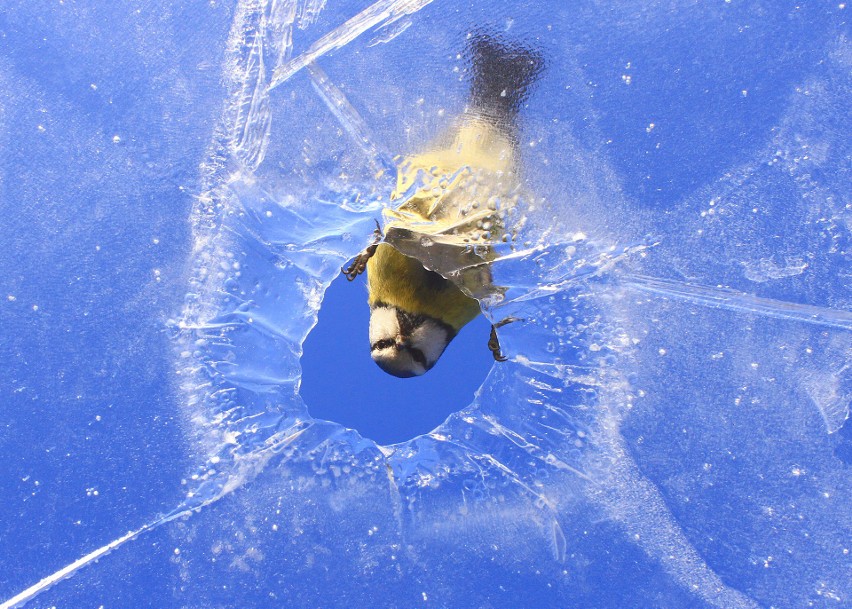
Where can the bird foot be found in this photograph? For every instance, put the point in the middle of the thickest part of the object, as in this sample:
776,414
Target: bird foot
359,265
494,342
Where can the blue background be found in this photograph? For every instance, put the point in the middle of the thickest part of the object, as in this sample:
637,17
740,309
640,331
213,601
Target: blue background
341,383
707,474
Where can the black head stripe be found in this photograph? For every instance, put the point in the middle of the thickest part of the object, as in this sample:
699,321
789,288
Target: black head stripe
408,322
417,356
382,344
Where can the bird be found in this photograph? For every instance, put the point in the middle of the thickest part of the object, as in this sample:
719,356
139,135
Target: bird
456,196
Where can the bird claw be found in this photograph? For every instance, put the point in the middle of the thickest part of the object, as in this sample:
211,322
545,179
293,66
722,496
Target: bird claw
508,320
494,342
359,265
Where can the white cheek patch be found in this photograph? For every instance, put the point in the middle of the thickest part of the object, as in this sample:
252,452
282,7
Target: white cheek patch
410,355
431,338
383,324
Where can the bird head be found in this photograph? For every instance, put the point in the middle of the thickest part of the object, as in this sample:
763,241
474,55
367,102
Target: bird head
406,344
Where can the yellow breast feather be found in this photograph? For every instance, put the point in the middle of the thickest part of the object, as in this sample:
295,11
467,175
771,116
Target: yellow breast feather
398,280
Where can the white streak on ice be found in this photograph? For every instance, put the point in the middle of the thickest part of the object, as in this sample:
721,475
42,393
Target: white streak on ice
381,13
349,119
825,389
68,570
766,269
723,298
636,502
309,12
390,32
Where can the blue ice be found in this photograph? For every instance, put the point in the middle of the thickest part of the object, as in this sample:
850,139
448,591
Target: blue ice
181,184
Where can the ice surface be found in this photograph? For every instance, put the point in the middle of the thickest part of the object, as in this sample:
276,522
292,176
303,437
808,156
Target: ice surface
671,428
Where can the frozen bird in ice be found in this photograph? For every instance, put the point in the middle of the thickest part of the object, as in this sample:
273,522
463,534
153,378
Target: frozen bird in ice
459,195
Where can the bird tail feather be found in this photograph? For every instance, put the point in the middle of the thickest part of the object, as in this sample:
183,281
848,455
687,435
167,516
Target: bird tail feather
502,73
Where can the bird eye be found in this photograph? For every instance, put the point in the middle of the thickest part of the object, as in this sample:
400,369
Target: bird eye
383,344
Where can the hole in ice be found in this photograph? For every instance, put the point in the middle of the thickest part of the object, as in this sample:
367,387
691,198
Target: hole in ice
341,383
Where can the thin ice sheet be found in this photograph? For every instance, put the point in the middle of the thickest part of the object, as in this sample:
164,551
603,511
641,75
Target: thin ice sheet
671,428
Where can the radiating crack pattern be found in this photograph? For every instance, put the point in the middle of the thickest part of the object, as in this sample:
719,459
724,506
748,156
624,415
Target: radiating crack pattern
550,452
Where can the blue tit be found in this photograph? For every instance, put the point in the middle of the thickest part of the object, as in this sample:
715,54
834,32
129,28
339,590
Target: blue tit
457,196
